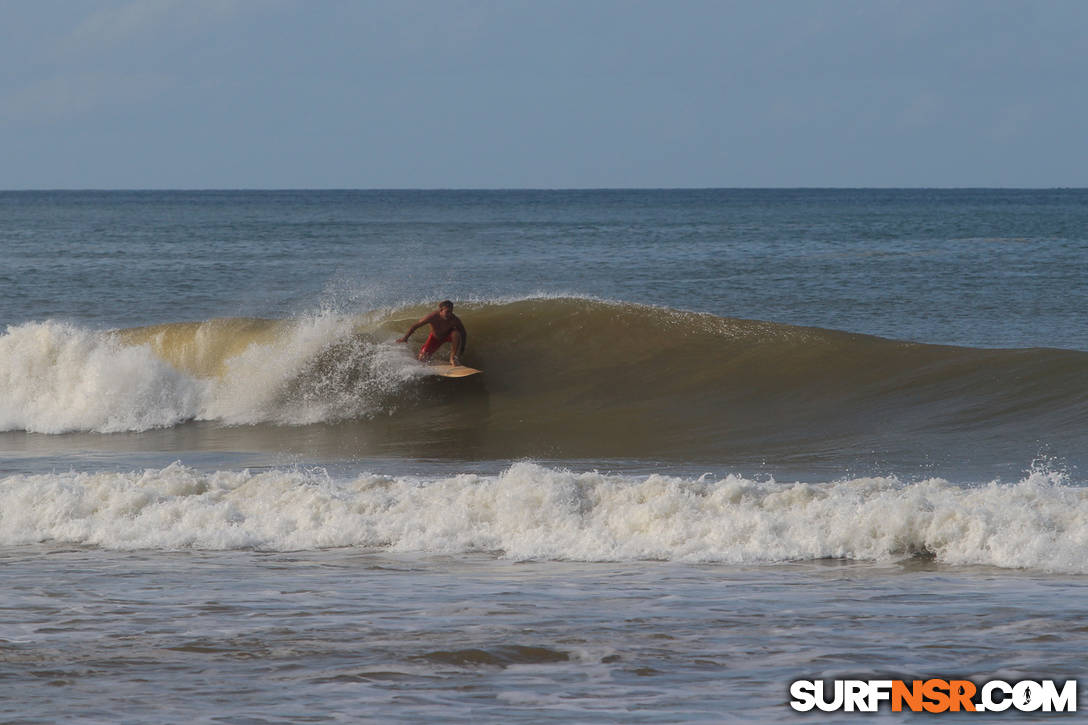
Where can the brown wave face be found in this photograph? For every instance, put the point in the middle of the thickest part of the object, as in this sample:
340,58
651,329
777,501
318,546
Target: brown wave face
577,378
581,378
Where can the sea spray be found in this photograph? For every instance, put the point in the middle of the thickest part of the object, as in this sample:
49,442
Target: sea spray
317,369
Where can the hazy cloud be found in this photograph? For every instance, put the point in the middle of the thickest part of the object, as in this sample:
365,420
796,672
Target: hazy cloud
141,19
69,96
103,63
112,25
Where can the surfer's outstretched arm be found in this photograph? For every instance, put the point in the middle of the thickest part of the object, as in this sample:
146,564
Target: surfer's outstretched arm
422,321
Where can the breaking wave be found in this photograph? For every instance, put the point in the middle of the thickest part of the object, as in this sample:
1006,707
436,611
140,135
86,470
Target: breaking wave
531,511
565,377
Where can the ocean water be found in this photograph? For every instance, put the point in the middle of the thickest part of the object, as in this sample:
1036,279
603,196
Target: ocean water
724,440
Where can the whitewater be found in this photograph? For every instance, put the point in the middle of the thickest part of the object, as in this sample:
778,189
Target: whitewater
531,512
57,377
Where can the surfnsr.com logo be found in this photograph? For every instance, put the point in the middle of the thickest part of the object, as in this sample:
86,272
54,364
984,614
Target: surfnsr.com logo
933,695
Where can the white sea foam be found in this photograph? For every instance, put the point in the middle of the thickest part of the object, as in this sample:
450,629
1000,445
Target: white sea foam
56,377
534,512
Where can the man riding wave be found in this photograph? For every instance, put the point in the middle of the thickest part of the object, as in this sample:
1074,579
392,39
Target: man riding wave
445,327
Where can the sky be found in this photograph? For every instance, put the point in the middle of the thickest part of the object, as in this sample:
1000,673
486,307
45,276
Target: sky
198,94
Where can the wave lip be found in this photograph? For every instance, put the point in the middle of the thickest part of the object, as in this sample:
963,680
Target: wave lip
534,512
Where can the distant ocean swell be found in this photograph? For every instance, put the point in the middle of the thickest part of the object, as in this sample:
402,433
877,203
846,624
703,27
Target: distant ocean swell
558,373
535,512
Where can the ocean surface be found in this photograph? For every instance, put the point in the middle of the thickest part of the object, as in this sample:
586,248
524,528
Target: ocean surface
723,440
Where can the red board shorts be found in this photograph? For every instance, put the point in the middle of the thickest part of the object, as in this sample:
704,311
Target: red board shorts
433,343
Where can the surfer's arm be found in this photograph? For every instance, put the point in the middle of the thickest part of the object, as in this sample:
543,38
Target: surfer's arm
423,321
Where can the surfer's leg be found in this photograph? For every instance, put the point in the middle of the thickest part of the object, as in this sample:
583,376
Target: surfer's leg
429,347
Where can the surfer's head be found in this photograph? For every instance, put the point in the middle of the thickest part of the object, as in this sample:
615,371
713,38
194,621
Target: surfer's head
445,308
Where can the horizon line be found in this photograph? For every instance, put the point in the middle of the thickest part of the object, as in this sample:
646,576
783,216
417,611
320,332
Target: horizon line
535,188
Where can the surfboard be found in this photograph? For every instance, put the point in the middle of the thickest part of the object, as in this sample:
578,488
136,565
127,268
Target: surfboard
454,371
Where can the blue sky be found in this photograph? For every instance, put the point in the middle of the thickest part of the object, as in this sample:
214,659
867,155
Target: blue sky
545,94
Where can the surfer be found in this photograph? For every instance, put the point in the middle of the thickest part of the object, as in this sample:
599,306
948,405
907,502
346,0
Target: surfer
445,327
